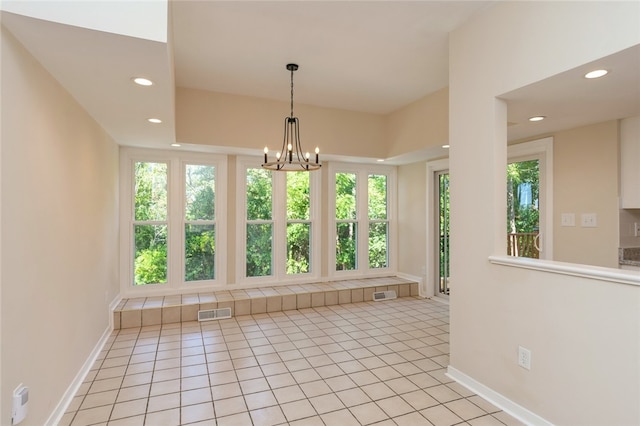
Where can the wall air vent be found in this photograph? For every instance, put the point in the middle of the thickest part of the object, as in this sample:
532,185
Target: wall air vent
384,295
214,314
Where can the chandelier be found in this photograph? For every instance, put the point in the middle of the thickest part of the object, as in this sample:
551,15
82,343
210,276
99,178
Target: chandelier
290,157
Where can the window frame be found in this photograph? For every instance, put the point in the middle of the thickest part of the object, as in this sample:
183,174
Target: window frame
362,220
176,198
279,221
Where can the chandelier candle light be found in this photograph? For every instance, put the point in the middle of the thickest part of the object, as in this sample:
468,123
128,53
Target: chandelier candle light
290,157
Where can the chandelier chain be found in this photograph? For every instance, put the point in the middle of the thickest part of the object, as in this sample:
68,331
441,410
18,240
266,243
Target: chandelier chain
291,92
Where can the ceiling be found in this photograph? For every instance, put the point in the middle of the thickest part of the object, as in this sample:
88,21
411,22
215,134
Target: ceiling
369,56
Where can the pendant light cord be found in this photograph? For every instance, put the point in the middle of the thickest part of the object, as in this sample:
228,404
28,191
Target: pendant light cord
292,92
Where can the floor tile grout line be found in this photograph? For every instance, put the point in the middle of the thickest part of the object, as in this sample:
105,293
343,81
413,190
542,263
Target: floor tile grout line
122,381
397,344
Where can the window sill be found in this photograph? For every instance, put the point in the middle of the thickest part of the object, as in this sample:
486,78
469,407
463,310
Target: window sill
574,269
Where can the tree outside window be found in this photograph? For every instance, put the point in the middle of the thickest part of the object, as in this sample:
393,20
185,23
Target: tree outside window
378,225
199,232
150,223
259,242
346,224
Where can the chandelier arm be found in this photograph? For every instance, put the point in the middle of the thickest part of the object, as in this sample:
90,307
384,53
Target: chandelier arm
285,140
299,152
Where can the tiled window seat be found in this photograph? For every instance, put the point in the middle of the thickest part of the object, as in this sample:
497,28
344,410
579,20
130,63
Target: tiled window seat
145,311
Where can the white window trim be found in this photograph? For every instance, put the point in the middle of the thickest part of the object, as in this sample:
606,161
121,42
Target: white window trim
176,162
431,282
279,243
362,172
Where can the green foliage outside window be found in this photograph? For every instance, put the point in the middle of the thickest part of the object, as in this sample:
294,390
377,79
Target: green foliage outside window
377,197
199,239
346,229
259,235
150,204
378,231
298,227
259,194
150,207
522,216
298,250
259,243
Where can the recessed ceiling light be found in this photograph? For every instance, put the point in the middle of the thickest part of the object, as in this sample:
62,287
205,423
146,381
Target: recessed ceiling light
380,160
175,144
142,81
596,74
537,118
154,120
445,146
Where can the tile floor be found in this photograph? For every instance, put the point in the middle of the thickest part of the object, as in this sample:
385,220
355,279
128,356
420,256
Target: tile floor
364,363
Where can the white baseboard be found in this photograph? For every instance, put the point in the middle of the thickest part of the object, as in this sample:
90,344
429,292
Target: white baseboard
112,306
58,412
440,299
505,404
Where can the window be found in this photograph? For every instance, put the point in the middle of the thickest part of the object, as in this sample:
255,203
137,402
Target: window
346,223
259,217
279,234
378,221
298,223
170,220
361,215
150,223
200,224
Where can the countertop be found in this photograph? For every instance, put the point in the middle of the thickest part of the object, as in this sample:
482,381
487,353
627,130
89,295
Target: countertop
629,256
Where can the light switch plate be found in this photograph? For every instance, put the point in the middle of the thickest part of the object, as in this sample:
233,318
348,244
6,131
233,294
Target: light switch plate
568,219
589,220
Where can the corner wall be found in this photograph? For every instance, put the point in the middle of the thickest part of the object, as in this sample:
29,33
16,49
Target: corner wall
412,222
495,308
59,234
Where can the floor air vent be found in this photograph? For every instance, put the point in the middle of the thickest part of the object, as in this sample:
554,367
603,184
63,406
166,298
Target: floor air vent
383,295
214,314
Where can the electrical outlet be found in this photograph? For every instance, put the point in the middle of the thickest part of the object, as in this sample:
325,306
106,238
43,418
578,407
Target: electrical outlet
524,358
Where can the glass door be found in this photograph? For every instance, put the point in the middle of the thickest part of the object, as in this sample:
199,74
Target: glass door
523,208
442,218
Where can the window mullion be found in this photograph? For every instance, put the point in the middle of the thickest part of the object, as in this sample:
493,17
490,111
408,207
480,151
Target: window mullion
279,225
175,225
363,220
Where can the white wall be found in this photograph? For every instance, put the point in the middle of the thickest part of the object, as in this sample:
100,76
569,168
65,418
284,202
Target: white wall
412,206
583,333
59,234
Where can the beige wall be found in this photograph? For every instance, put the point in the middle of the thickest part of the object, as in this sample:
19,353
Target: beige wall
59,234
419,125
218,119
585,176
583,333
